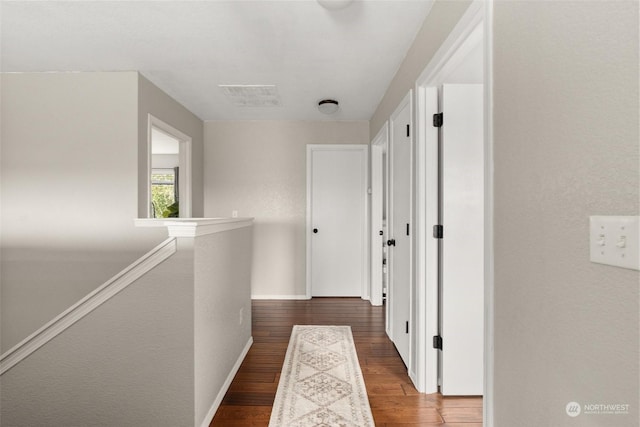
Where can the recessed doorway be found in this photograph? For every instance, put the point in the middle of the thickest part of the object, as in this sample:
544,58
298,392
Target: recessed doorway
169,171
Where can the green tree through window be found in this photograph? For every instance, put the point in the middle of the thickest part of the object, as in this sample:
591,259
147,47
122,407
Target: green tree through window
162,193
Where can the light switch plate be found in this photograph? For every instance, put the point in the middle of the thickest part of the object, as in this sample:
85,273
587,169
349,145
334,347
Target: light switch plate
615,240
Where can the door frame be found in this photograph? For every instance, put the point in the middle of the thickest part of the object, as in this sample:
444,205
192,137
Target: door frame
184,163
474,24
379,145
364,148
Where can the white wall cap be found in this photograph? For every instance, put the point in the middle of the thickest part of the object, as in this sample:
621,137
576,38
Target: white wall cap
193,227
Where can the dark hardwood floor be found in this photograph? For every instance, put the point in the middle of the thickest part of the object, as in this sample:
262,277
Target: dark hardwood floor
393,399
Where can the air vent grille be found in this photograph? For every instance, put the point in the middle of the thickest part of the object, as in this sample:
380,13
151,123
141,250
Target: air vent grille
252,95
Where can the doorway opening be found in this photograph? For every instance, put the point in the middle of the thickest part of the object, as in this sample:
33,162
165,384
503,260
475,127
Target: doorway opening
379,280
460,61
169,171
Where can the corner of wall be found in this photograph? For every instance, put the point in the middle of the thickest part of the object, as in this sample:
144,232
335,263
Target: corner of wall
153,100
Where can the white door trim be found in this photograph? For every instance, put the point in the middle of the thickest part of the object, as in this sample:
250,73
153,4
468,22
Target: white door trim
426,370
488,401
365,213
463,39
379,145
184,162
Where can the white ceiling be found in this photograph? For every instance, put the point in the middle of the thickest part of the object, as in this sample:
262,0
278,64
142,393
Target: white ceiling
188,48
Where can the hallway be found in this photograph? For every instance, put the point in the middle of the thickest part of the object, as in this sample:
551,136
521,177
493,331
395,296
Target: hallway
393,399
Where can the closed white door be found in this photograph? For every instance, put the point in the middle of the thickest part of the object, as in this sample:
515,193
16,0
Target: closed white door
462,253
400,228
336,220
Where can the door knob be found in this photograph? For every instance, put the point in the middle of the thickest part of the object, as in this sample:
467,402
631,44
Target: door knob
315,230
391,242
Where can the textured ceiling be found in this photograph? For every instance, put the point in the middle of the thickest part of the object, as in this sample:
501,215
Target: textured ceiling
188,48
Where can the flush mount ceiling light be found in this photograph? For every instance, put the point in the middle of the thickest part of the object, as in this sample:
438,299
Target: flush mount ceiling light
335,4
328,106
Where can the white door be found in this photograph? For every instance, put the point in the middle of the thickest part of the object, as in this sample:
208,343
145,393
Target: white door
462,256
336,220
400,228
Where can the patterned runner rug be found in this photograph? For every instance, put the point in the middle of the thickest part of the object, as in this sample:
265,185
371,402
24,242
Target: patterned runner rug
321,382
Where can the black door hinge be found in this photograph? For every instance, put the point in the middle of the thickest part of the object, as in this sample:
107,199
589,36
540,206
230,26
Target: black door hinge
407,229
437,120
437,342
438,231
408,131
407,327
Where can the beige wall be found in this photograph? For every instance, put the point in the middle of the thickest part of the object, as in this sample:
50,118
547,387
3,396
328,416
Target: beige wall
222,289
127,363
259,169
443,17
566,147
73,153
152,100
156,353
69,173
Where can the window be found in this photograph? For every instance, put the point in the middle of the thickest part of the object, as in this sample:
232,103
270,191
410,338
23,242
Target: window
164,193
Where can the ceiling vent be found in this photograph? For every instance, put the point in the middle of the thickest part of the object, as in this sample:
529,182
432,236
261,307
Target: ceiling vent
252,95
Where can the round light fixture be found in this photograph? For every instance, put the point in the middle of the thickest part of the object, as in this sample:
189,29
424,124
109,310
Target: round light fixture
328,106
335,4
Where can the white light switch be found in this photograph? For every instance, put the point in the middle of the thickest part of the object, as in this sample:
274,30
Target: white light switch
615,240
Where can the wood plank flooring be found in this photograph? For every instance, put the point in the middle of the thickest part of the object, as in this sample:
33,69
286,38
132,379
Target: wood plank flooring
393,399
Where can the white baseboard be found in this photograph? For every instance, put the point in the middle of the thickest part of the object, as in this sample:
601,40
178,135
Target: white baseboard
279,297
227,383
